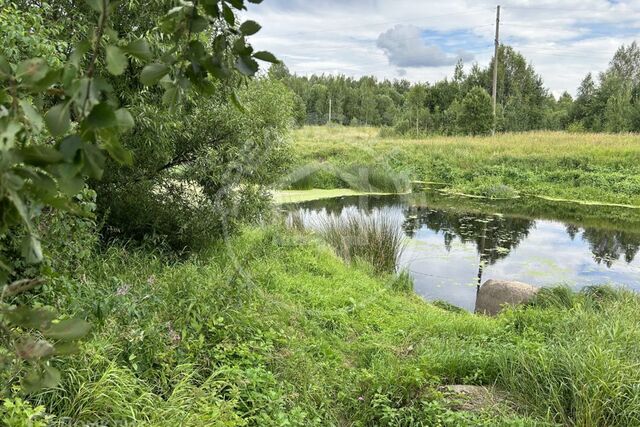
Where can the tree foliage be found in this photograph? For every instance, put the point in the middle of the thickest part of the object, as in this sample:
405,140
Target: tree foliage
476,114
204,173
65,119
612,102
422,108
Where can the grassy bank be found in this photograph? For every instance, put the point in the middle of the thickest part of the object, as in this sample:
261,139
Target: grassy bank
586,167
273,329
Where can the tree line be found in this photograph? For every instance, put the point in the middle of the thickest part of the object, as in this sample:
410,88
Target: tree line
462,104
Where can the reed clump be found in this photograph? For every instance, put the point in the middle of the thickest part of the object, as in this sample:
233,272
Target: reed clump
376,238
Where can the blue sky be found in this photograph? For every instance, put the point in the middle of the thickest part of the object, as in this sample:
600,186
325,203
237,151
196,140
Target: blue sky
421,40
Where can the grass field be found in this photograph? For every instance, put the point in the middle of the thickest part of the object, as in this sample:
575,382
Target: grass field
272,329
585,167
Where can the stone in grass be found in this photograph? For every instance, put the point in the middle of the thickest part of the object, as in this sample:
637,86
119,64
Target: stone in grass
494,294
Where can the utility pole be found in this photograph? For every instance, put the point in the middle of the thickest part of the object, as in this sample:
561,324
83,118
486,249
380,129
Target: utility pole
329,110
495,68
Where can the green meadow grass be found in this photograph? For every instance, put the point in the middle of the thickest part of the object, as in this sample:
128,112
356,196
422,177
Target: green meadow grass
585,167
271,329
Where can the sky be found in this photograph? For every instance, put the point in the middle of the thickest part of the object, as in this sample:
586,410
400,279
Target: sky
422,40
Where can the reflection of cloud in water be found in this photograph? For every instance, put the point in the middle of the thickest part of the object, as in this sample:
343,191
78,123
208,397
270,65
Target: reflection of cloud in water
446,247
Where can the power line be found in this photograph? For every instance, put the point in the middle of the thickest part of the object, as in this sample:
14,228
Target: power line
556,9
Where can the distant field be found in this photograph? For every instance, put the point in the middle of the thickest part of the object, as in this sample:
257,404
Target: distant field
585,167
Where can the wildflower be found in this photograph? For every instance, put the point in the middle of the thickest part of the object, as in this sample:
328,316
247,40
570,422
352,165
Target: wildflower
123,290
173,335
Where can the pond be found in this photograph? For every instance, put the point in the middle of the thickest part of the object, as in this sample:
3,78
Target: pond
454,242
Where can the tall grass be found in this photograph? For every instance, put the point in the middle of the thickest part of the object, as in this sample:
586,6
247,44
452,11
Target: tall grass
375,179
577,357
370,177
375,238
593,167
300,338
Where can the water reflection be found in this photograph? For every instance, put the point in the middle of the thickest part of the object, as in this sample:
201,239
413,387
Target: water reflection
494,236
608,246
457,242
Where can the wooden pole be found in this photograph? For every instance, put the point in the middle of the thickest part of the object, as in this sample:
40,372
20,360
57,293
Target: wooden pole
495,68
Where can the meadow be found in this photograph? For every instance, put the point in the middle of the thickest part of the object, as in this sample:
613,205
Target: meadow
585,167
272,328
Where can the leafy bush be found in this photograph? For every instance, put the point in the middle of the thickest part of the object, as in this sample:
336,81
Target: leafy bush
475,116
18,413
576,127
63,119
204,174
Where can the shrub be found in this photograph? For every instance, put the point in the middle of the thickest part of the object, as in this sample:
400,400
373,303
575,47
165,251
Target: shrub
476,115
203,174
576,127
16,412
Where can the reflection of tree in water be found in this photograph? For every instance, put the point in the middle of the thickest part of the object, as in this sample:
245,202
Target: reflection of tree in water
607,246
335,206
494,236
572,230
501,234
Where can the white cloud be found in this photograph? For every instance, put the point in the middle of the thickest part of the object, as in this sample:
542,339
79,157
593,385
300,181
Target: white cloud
564,39
404,46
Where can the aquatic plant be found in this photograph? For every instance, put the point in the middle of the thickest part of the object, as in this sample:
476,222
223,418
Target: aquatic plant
375,238
295,221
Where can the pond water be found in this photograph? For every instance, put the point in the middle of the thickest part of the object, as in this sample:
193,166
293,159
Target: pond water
456,241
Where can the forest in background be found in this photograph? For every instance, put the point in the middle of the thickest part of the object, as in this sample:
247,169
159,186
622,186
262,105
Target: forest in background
609,102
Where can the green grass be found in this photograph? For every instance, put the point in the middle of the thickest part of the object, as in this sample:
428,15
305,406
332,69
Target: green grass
372,177
586,167
273,329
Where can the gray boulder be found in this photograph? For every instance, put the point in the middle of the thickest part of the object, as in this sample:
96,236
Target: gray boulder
493,294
